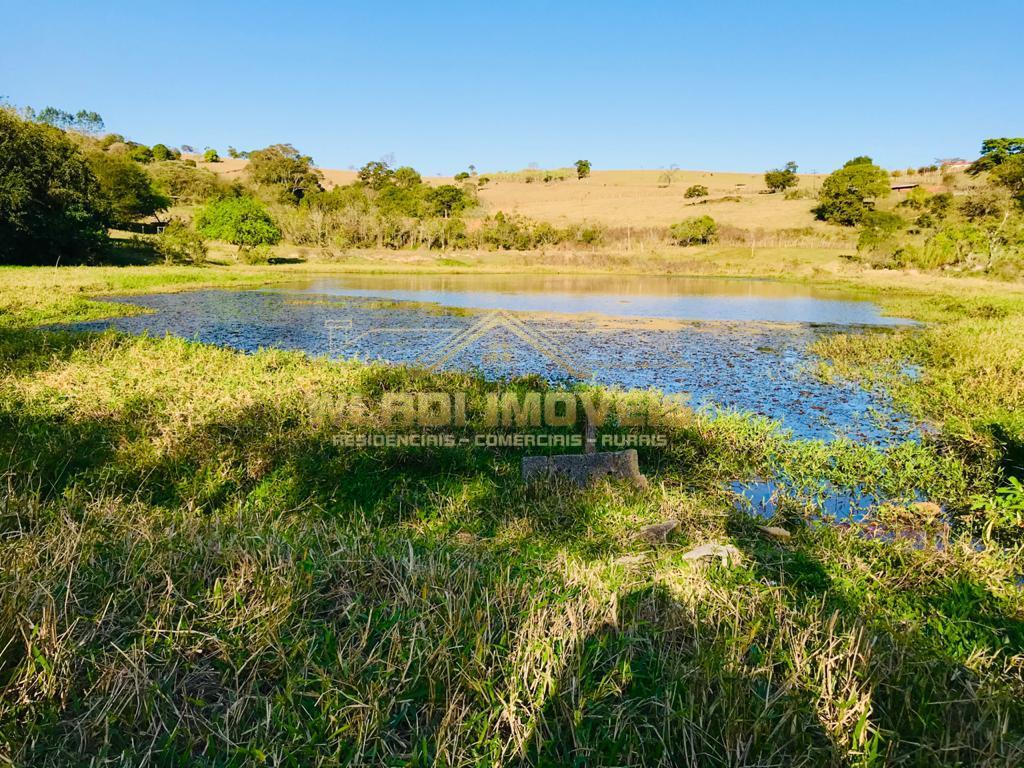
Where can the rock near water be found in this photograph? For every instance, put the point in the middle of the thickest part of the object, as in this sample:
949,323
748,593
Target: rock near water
585,468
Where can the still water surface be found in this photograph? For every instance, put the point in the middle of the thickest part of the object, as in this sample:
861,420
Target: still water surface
732,344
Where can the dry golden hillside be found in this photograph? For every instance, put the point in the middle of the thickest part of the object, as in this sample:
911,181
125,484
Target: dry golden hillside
618,198
647,198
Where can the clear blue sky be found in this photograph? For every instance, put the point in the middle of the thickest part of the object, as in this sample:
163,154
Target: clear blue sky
716,84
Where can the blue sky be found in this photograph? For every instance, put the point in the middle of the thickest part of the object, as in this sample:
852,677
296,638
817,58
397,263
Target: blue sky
719,85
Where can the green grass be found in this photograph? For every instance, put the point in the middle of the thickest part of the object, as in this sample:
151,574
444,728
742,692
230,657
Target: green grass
195,574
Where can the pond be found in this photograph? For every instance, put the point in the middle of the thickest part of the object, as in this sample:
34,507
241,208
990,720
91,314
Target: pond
727,344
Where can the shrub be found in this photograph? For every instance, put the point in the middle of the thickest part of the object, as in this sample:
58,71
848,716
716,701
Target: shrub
239,220
695,231
517,233
982,205
140,153
798,194
697,190
916,199
160,152
590,234
934,208
109,139
880,228
211,156
508,232
181,244
941,204
954,245
582,169
462,176
259,254
442,233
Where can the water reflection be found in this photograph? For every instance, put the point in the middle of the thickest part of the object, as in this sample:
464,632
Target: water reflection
687,298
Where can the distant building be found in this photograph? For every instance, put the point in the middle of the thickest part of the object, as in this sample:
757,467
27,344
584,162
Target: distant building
952,166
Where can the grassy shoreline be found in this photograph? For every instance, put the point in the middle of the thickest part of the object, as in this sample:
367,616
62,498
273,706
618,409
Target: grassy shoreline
194,571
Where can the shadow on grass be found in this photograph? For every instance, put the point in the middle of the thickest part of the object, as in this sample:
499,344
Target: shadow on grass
662,688
664,683
931,699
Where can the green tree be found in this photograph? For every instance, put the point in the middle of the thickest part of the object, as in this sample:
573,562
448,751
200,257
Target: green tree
582,169
83,121
781,179
845,195
140,153
241,221
129,191
447,200
211,156
160,152
51,205
88,122
995,152
283,168
376,174
407,178
1010,174
183,182
394,200
694,231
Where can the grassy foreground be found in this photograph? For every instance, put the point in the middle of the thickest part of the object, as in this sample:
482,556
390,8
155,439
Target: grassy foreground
194,573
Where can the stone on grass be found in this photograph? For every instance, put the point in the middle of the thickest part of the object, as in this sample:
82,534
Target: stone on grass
728,554
582,469
658,533
774,532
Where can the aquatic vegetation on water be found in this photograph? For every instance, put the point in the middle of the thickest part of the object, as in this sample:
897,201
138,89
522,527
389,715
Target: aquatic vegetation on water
760,368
